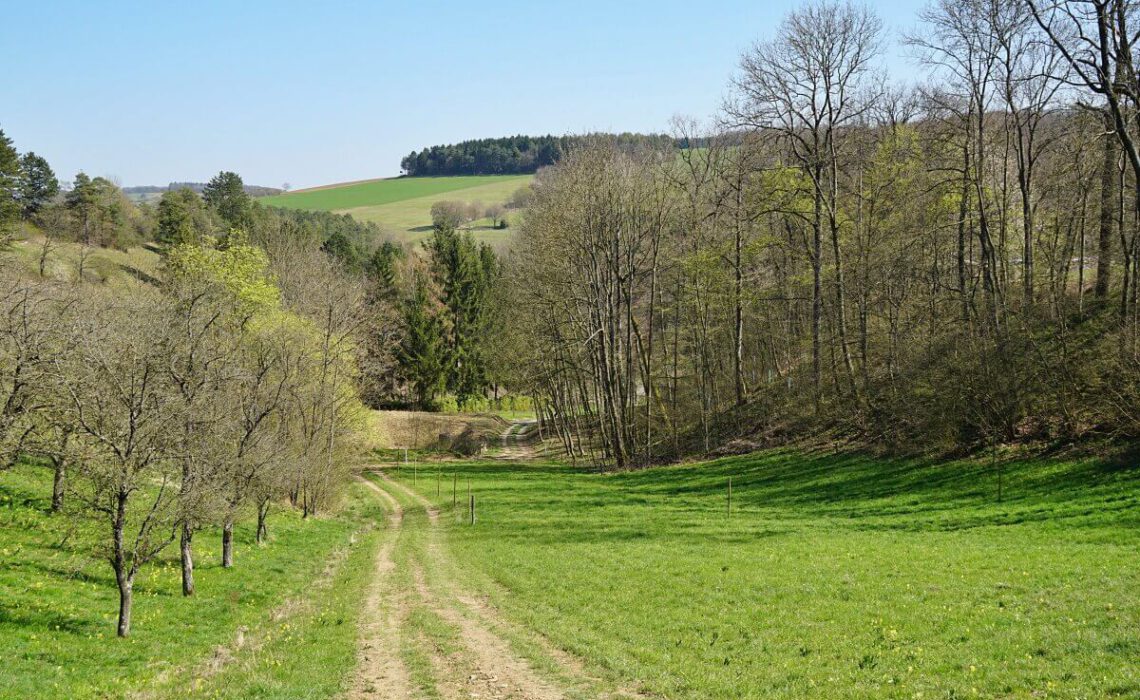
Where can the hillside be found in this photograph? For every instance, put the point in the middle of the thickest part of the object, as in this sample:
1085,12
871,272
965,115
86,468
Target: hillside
63,261
402,206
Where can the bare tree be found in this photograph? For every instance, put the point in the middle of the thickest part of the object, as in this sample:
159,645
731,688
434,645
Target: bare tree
810,86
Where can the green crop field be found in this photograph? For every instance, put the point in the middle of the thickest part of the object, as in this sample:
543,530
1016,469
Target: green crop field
402,206
833,577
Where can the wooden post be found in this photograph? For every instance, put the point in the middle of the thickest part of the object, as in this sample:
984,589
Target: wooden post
729,510
470,503
472,509
454,489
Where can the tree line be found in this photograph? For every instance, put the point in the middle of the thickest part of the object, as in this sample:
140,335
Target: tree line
948,266
511,155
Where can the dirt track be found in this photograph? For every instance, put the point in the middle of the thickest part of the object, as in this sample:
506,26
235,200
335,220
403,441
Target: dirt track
414,577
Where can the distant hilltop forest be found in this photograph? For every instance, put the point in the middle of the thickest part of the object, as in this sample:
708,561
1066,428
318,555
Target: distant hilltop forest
512,155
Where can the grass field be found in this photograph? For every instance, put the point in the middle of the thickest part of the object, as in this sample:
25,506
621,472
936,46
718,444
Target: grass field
402,206
834,577
295,599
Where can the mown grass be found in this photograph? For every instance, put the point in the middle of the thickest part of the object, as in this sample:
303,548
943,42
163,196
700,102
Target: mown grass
58,603
379,192
834,576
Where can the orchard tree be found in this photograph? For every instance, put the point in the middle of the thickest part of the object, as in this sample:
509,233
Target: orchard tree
113,389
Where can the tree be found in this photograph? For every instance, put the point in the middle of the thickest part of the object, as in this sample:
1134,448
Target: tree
1097,39
38,184
808,86
422,352
112,389
31,320
101,212
10,177
448,215
464,273
344,251
225,194
182,218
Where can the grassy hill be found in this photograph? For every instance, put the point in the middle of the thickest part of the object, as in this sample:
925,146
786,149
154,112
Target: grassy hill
402,206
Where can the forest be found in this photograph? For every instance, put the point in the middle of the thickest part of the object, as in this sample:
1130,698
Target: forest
945,267
512,155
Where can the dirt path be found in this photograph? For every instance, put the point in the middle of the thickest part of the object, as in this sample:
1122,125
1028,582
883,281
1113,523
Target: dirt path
473,657
515,445
379,671
493,670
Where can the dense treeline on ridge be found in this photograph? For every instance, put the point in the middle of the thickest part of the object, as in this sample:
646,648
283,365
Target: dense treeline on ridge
511,155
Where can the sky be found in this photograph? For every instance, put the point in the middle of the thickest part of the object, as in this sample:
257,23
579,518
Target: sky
311,93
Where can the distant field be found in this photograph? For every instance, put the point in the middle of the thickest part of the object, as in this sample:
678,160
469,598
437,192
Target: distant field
403,205
375,193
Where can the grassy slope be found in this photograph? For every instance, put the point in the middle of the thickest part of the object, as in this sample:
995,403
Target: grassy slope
412,217
380,192
836,577
58,603
139,265
402,206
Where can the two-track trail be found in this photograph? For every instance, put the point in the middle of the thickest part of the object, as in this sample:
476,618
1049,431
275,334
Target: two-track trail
424,635
380,673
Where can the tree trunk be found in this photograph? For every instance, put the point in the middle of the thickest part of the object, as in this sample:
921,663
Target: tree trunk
816,296
738,314
228,543
262,521
58,484
185,545
126,590
963,209
1108,176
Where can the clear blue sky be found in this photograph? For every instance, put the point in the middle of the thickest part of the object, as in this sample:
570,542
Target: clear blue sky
317,92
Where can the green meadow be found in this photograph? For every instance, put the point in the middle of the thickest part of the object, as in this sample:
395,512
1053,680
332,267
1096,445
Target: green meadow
402,205
830,577
280,624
